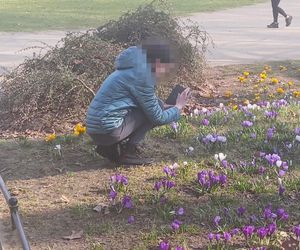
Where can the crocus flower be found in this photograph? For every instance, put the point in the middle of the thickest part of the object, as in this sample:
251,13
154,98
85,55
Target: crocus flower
248,231
235,231
297,131
227,236
127,202
174,126
281,190
180,211
271,228
130,219
164,245
205,122
270,133
281,173
262,232
221,138
241,211
224,163
222,179
176,224
247,124
217,220
157,185
271,114
218,237
169,171
211,236
170,184
297,231
112,195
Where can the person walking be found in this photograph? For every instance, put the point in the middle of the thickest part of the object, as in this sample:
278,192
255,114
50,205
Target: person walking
276,11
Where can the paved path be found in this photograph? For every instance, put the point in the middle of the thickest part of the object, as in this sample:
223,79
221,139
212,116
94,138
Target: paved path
240,36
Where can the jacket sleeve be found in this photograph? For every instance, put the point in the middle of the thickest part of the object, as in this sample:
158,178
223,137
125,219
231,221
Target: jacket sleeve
144,93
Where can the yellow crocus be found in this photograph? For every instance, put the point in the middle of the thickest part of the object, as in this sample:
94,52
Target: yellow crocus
274,80
246,73
280,90
50,137
79,129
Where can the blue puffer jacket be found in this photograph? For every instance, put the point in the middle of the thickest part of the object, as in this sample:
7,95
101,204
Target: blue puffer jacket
131,85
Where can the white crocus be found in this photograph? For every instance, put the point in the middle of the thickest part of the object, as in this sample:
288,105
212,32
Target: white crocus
278,163
297,138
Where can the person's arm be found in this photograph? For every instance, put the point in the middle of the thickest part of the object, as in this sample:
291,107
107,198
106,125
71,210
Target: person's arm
144,93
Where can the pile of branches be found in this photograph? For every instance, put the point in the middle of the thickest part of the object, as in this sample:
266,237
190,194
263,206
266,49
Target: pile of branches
52,91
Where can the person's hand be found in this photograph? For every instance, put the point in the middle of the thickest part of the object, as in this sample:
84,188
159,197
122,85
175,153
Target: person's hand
183,98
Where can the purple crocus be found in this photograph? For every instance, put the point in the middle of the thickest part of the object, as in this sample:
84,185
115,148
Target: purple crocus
169,172
248,231
235,231
271,114
130,219
180,211
157,185
281,173
262,232
297,131
247,124
224,163
217,220
222,179
164,245
272,228
205,122
112,195
127,202
268,214
270,133
176,225
211,236
297,231
241,211
170,184
218,237
227,236
174,126
281,190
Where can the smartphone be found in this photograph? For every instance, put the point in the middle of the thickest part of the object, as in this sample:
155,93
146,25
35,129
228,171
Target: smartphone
171,100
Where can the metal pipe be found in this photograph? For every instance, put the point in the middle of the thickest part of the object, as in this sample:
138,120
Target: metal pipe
12,202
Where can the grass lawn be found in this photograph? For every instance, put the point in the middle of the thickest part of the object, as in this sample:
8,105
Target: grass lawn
31,15
57,190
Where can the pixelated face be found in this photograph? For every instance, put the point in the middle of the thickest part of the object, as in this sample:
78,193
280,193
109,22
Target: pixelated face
162,69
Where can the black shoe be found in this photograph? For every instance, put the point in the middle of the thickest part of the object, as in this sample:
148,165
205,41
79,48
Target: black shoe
273,25
132,155
288,20
111,152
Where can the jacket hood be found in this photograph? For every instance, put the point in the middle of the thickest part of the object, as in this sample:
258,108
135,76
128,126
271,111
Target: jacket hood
130,58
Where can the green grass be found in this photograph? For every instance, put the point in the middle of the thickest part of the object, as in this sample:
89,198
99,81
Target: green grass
32,15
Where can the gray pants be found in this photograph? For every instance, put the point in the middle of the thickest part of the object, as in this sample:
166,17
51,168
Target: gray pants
134,128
